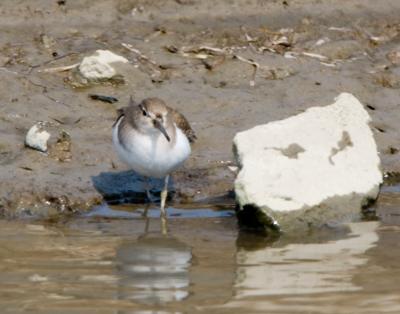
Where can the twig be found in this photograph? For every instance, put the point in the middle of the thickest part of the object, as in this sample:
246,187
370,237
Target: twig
203,52
139,54
330,65
314,55
255,65
340,29
155,69
50,61
60,69
248,38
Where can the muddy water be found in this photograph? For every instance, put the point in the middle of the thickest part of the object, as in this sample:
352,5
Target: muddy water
115,261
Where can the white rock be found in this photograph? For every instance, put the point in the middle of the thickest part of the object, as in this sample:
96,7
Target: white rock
37,137
99,66
324,157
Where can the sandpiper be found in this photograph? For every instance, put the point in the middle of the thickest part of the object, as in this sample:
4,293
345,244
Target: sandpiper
153,139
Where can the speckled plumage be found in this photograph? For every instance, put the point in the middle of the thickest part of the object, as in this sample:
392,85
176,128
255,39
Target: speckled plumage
132,111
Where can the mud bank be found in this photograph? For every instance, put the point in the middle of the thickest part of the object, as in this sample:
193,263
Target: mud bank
268,60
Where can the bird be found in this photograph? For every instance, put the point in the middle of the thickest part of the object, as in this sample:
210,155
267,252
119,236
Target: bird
153,139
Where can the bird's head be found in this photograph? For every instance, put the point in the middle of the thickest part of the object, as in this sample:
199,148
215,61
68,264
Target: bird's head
152,117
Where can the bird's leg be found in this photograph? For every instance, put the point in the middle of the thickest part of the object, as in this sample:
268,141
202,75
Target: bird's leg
147,206
147,187
145,211
164,194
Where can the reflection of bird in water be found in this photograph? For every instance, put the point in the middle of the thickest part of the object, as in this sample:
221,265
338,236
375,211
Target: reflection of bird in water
154,140
153,269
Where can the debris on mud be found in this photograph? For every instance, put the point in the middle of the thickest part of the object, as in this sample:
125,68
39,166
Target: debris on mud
99,67
147,65
212,57
391,178
60,69
279,73
108,99
61,150
394,57
49,43
387,79
96,68
339,50
38,138
44,206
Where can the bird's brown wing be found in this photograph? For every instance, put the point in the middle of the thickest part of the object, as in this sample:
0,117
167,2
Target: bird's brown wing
182,123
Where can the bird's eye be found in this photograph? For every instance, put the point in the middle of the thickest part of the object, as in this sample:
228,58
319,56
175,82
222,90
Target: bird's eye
143,110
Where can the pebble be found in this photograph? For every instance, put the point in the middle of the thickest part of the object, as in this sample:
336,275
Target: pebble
37,137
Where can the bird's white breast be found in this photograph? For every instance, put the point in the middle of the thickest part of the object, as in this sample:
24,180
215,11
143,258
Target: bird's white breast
151,154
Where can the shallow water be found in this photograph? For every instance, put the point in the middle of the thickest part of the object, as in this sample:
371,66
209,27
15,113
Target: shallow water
115,261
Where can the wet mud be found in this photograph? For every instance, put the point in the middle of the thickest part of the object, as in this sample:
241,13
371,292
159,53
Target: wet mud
227,67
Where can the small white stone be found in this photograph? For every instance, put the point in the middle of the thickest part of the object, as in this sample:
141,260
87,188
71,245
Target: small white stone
99,66
37,138
324,156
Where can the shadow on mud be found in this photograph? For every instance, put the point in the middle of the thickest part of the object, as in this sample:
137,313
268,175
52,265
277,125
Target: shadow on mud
127,187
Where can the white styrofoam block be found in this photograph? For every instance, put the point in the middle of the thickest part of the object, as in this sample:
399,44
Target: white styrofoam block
325,153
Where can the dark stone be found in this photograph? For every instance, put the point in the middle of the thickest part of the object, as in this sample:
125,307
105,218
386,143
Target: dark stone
253,219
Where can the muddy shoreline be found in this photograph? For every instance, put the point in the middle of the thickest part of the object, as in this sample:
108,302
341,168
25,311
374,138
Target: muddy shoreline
220,95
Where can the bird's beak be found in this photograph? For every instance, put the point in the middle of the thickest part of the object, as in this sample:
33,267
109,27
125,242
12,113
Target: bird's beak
159,126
